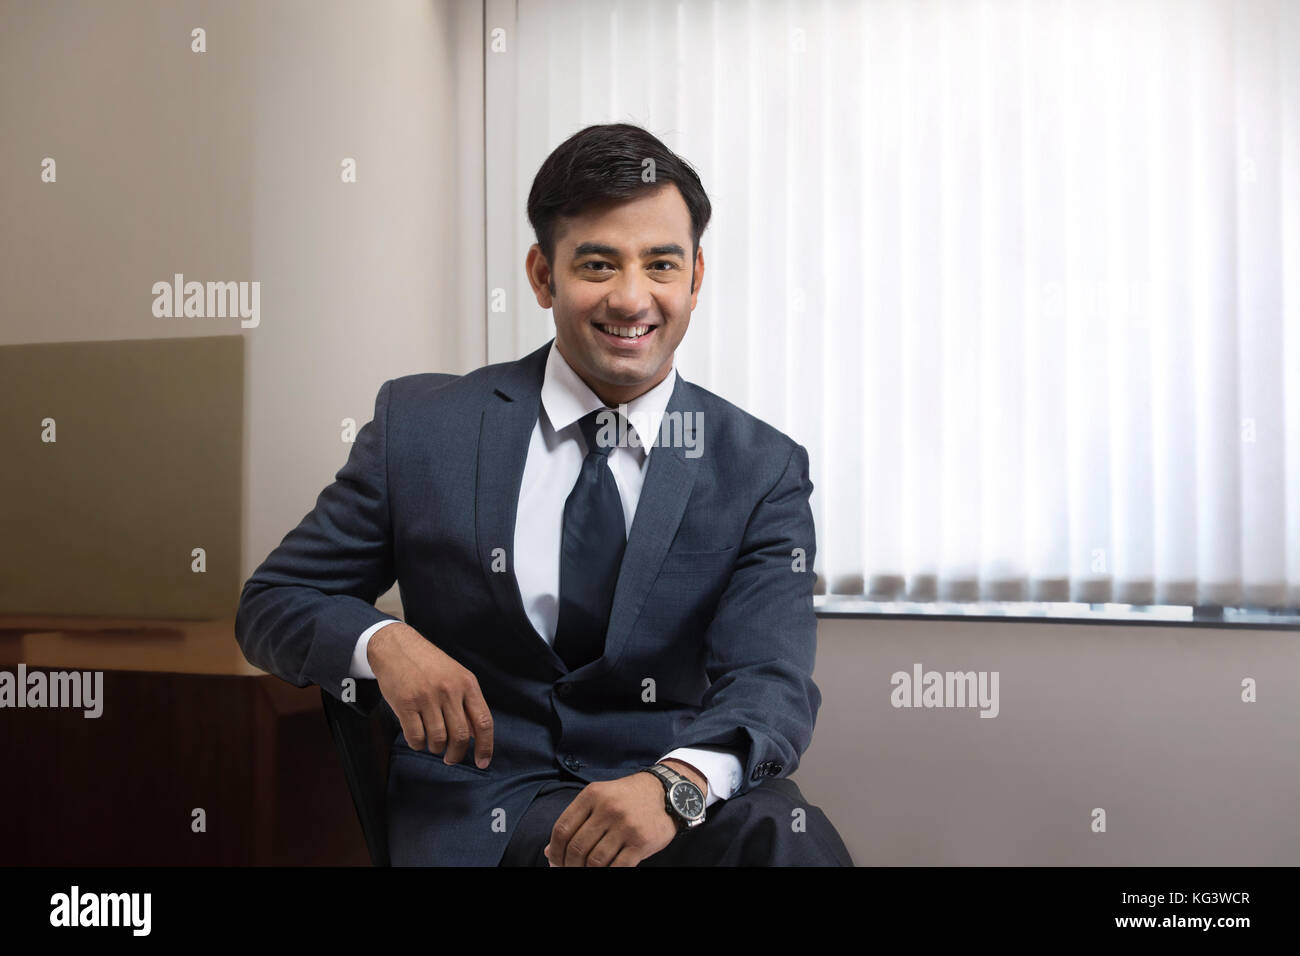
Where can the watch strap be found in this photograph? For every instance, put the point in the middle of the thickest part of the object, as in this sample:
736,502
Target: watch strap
670,778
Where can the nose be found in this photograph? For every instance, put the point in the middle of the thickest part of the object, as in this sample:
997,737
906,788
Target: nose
630,296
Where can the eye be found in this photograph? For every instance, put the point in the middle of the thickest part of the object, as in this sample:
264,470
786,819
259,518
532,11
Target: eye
594,262
665,262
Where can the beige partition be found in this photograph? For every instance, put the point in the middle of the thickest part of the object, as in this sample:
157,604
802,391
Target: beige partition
121,489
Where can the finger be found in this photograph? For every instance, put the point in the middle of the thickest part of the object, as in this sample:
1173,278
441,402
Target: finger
457,731
433,729
480,722
588,835
606,849
567,824
412,728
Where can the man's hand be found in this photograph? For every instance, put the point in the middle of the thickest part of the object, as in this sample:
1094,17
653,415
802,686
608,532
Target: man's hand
436,700
617,822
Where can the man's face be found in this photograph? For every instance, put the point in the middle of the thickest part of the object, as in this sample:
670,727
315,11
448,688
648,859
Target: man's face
621,268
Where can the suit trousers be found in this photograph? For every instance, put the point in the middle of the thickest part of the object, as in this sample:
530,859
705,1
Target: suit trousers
756,828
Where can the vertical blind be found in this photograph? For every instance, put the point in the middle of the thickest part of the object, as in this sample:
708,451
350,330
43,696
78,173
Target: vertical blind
1021,275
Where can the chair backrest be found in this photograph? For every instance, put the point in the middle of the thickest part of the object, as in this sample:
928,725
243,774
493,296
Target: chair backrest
363,745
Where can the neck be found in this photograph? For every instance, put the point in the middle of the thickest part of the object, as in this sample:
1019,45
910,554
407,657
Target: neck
614,395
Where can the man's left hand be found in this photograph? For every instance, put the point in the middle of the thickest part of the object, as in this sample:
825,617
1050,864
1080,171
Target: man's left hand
617,822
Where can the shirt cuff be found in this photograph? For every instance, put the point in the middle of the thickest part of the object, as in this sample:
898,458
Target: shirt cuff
720,766
360,666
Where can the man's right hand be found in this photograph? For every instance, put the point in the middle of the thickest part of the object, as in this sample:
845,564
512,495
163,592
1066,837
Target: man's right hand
436,700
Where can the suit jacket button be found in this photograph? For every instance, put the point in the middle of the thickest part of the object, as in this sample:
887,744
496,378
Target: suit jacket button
572,762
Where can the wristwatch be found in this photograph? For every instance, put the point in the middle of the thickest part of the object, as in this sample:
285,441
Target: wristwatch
682,799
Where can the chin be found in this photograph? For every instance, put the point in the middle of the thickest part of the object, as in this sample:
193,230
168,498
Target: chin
629,371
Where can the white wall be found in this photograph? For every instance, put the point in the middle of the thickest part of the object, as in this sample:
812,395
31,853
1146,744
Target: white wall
1145,722
372,280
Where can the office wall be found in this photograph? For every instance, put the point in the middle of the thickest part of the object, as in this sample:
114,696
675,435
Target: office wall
378,279
1146,723
225,165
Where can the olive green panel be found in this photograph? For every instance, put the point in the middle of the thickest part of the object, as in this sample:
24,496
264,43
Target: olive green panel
146,467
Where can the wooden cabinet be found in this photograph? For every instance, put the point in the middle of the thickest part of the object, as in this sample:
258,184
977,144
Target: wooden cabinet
186,724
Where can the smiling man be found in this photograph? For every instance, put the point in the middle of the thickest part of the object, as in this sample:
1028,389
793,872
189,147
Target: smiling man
608,645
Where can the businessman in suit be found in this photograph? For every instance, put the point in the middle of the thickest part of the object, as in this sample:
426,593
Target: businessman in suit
605,570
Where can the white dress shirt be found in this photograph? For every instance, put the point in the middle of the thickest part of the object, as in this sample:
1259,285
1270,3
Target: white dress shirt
555,455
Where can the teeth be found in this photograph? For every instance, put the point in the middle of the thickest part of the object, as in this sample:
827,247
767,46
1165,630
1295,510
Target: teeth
633,332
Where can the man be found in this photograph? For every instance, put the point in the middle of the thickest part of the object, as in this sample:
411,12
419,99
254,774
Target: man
605,570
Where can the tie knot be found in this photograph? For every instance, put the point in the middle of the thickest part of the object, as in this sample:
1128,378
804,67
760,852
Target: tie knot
603,429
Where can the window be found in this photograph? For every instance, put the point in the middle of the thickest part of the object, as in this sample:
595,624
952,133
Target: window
1023,277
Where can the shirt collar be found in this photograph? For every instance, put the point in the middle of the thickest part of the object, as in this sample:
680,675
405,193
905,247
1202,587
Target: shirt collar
567,398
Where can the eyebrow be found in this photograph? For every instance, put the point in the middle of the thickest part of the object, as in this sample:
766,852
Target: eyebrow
601,249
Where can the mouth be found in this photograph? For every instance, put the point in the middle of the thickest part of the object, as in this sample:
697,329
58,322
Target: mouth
625,335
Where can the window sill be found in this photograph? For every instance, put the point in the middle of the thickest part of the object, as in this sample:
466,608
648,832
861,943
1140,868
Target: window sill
1164,615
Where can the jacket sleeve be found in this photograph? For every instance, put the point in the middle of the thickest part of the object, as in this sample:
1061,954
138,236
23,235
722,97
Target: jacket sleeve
301,612
762,701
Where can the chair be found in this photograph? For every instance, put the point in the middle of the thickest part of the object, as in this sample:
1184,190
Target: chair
363,745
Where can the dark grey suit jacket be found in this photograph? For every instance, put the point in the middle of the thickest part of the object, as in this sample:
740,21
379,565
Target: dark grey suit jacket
711,638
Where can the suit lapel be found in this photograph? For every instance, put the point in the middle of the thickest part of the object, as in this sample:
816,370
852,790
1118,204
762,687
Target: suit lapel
505,429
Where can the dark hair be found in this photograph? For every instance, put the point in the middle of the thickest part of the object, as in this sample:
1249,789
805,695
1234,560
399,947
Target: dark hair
603,164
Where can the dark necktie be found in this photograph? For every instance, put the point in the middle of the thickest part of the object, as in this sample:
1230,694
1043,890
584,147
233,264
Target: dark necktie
591,551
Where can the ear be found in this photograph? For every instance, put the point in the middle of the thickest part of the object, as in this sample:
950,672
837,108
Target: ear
697,276
540,276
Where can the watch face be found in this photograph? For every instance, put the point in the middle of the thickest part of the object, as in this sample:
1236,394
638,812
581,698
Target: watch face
687,799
